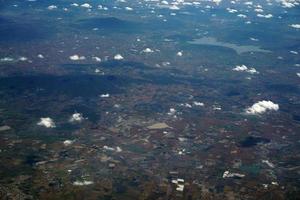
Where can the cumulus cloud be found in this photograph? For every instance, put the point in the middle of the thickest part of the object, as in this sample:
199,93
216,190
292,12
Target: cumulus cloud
172,111
261,107
148,50
117,149
97,59
242,16
244,68
289,3
82,183
68,142
7,59
76,117
75,4
22,58
297,26
118,57
52,7
104,95
179,53
46,122
231,10
267,16
128,8
217,1
196,103
77,57
174,7
40,56
86,5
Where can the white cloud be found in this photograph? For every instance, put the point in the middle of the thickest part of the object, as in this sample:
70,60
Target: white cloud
68,142
76,117
118,57
47,122
86,5
23,58
259,10
172,111
104,95
77,57
82,183
231,10
117,149
244,68
74,4
174,7
40,56
294,52
267,16
128,8
261,107
289,3
7,59
52,7
148,50
99,71
196,103
217,1
179,53
242,16
297,26
97,59
228,174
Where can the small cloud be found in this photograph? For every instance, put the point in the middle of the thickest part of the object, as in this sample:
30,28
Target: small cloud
261,107
117,149
52,7
294,52
76,117
82,183
46,122
23,58
267,16
104,95
254,39
86,5
196,103
97,59
289,3
172,111
244,68
75,4
228,174
179,53
242,16
7,59
148,50
174,7
118,57
68,142
128,8
40,56
98,71
77,57
297,26
231,10
217,1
